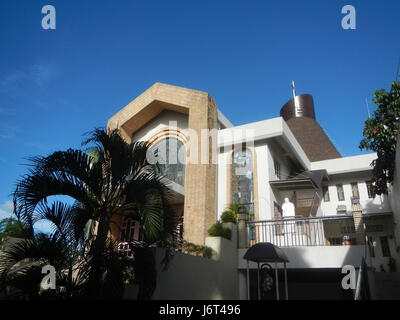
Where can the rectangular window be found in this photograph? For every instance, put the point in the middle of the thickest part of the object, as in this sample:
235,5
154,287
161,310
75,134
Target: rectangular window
325,192
340,192
385,246
369,189
371,247
277,167
354,190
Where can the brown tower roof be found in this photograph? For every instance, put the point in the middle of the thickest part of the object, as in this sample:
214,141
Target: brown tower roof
299,115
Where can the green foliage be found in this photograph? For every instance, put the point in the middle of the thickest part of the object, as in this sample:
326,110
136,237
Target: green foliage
197,250
228,216
11,227
380,135
231,213
111,178
218,230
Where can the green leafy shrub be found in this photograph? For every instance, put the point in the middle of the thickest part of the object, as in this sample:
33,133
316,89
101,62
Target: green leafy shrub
380,135
197,250
229,216
218,230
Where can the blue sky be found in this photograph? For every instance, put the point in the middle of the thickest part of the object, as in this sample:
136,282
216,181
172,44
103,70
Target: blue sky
56,85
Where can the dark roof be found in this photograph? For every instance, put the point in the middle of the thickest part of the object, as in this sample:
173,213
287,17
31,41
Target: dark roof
312,139
317,176
265,252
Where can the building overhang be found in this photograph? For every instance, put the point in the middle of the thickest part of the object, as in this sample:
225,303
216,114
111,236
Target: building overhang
153,101
346,165
292,184
272,129
307,180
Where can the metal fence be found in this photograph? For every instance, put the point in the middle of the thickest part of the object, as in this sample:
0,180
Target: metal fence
290,232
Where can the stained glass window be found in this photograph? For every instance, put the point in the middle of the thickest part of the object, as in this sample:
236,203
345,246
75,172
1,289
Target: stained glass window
171,157
242,179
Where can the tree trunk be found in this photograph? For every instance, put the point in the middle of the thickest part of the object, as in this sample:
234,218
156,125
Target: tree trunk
97,251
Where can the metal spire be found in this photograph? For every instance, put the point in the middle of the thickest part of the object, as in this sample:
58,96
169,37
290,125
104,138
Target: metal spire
294,89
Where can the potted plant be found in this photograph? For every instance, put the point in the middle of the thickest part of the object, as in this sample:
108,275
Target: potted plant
218,230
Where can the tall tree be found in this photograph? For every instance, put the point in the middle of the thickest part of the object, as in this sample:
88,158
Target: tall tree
380,135
114,178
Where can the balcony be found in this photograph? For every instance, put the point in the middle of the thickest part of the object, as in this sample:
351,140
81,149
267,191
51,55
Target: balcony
313,242
299,231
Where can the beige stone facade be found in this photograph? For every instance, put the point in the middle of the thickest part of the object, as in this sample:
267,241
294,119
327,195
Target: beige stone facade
200,179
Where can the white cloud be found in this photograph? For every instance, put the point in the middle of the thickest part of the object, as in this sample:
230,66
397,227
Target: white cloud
8,131
40,73
37,75
43,226
6,209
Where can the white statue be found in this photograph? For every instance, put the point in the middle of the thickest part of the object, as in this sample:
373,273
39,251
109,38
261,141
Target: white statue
288,212
288,209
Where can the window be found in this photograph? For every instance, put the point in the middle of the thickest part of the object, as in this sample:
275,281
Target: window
277,167
340,192
169,156
371,247
325,192
242,179
354,190
130,230
369,189
385,246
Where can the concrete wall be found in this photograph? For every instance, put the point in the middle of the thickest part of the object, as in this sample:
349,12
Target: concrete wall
161,121
317,257
395,195
222,182
265,170
191,278
369,205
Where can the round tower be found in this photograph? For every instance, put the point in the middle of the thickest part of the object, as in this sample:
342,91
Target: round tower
299,115
299,106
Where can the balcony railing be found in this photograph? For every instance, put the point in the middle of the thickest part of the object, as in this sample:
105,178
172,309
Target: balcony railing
124,248
313,231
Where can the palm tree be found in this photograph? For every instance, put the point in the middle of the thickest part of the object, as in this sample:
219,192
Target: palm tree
114,178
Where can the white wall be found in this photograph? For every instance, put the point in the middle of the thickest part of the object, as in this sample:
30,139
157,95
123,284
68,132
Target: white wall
369,205
346,164
222,180
190,278
316,257
265,196
159,122
395,194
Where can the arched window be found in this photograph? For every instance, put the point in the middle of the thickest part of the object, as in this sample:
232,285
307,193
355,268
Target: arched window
170,156
242,179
